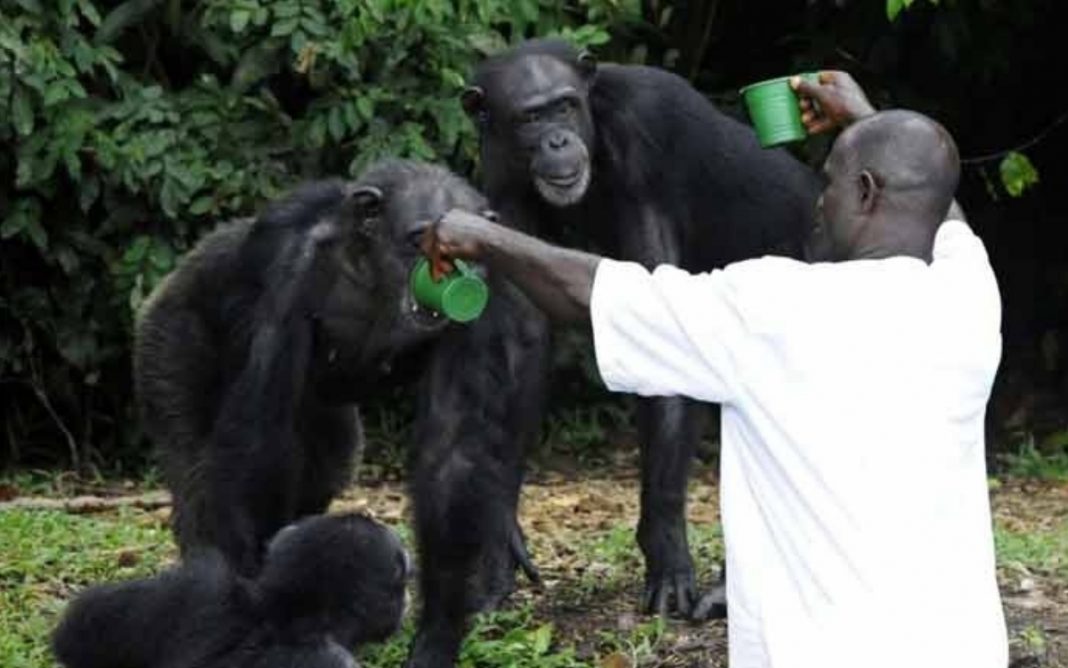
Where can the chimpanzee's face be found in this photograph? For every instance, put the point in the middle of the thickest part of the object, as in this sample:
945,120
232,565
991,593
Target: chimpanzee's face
536,125
370,316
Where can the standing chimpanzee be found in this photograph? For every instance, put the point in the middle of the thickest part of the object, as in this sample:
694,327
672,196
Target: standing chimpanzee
646,167
328,584
251,355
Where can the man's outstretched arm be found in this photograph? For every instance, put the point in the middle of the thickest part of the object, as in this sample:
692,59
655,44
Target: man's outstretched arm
657,334
558,280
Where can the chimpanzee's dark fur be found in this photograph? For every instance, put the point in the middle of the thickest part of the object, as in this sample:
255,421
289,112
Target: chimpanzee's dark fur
251,355
636,160
328,584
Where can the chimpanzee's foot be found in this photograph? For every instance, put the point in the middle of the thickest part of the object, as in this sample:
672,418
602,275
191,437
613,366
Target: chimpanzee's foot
433,649
669,577
712,605
495,579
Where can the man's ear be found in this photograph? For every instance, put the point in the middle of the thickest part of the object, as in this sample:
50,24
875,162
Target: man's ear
870,190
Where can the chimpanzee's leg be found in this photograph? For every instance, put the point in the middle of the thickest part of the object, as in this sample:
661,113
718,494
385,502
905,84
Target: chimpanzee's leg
669,428
331,442
482,391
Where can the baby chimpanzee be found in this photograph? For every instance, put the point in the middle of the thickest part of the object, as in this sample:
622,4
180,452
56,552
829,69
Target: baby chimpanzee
328,583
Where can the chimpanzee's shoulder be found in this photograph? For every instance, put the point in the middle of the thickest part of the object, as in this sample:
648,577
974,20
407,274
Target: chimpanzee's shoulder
644,84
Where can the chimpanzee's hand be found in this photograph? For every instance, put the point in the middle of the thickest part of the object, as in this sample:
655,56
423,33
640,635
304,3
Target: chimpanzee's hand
836,101
456,235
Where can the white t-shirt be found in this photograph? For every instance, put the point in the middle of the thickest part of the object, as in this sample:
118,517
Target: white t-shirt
853,481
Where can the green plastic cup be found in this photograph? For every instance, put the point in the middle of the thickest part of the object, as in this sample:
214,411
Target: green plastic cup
460,296
773,108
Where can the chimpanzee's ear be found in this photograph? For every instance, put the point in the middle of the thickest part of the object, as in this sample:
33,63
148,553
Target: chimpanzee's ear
587,64
473,100
367,202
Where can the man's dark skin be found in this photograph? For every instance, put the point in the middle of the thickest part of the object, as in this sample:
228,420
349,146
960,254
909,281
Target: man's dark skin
890,181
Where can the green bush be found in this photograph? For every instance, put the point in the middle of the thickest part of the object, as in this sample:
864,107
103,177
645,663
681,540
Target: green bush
127,129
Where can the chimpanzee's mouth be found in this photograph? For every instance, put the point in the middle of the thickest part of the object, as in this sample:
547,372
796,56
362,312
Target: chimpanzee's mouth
563,189
563,180
420,317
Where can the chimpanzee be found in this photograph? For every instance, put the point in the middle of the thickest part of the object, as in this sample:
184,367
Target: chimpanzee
649,170
328,583
251,355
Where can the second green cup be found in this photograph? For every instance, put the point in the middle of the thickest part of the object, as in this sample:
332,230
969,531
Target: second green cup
773,108
460,296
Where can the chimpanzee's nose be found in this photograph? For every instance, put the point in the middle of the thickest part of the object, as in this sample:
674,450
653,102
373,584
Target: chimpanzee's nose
558,140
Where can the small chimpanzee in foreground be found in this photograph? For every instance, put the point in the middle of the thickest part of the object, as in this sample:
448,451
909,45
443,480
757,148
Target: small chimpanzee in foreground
328,584
637,161
251,355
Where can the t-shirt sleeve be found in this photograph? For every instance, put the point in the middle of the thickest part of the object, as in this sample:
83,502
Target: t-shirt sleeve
666,333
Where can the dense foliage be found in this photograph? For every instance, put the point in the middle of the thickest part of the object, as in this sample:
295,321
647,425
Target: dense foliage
128,127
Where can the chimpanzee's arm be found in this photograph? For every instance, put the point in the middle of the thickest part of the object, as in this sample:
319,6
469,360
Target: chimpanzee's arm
252,439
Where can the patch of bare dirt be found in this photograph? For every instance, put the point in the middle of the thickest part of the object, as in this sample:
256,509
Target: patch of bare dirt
562,513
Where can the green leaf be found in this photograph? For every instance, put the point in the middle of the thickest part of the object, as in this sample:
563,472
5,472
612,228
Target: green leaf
136,251
202,205
1017,173
22,113
894,7
11,226
56,92
37,232
284,28
365,107
543,638
239,19
336,124
161,256
124,16
90,12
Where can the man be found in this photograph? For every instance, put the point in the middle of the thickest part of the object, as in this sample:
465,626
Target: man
853,484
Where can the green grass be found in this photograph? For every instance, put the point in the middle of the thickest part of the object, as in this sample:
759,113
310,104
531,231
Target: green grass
1045,460
46,556
1045,551
512,638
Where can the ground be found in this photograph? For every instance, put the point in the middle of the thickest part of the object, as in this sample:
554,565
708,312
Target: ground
579,525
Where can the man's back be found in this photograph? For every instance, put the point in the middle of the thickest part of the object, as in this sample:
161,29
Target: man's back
853,476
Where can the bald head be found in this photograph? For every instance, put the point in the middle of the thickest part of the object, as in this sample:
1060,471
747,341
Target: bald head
913,158
891,177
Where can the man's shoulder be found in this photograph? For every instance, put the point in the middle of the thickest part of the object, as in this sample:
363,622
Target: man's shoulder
955,238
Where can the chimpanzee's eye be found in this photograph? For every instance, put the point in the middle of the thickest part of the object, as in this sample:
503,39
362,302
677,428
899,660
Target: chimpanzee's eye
532,116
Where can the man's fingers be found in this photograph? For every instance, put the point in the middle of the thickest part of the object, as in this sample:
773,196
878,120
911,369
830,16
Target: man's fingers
435,252
819,126
811,94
